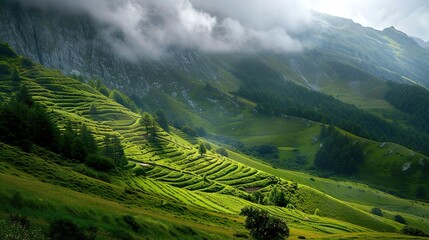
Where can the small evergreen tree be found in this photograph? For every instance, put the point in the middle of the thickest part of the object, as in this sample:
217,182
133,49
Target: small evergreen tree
15,75
88,140
23,96
67,141
162,120
146,121
107,147
202,149
118,154
93,109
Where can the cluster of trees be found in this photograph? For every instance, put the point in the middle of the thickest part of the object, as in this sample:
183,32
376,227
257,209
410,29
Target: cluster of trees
337,153
274,96
263,226
81,146
202,149
114,94
413,100
24,122
279,195
414,231
266,151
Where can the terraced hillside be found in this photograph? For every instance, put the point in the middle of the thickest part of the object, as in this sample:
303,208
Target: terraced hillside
182,194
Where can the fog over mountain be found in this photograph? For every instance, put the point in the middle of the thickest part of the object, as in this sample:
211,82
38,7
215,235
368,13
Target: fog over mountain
149,28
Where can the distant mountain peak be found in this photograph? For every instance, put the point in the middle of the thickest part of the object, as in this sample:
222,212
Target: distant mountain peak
420,42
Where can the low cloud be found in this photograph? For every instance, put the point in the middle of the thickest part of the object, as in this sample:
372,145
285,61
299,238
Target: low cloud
151,28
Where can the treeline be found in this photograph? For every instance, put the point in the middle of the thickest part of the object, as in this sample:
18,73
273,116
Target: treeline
413,100
282,195
276,96
24,122
114,94
337,153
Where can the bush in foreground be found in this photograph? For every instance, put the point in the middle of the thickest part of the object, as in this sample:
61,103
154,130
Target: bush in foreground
263,226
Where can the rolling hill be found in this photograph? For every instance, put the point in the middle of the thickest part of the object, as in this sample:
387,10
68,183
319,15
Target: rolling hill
182,194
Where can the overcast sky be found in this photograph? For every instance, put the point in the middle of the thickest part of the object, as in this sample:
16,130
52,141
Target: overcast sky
152,27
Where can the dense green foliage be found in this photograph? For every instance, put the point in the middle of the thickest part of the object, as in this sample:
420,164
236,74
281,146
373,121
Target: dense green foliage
22,122
377,211
275,96
6,50
398,218
414,231
166,187
263,226
161,119
337,152
202,149
222,151
413,100
61,228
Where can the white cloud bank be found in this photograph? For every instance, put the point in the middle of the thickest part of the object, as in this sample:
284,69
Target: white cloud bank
152,27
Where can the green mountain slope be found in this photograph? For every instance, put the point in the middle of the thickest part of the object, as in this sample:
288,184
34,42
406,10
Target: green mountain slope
184,195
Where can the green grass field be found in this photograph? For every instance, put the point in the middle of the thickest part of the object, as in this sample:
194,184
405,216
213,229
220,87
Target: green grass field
184,195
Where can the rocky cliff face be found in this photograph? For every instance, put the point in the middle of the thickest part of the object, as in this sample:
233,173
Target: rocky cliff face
73,43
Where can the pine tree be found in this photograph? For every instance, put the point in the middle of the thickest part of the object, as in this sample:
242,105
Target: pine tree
44,132
67,141
107,147
162,120
202,149
92,109
118,154
15,75
146,121
23,96
88,140
14,125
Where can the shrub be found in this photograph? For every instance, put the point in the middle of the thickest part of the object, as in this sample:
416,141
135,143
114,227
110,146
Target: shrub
189,131
6,50
377,211
414,231
27,63
222,151
4,69
19,220
400,219
99,163
140,172
208,146
61,228
264,226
